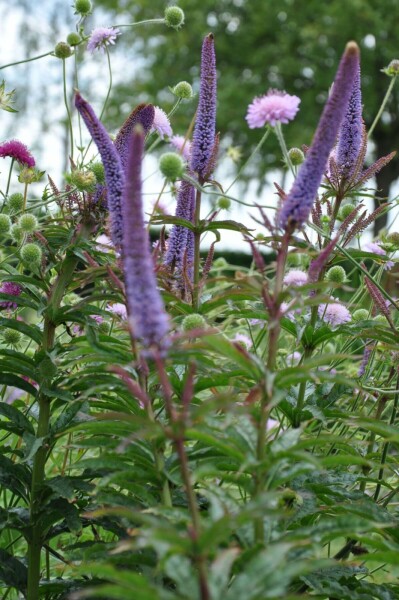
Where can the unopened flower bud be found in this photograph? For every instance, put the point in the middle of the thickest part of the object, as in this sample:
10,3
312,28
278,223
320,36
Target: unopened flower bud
171,165
15,202
11,337
393,238
220,263
174,17
296,156
336,274
361,314
31,254
380,319
183,90
392,69
5,223
83,7
28,223
30,175
224,203
345,211
194,321
85,181
16,233
98,169
73,39
63,50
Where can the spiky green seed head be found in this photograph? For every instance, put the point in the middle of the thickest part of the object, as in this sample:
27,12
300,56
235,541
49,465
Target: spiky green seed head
194,321
31,255
361,314
16,233
83,7
220,263
28,223
224,203
380,319
73,38
15,202
296,156
174,17
98,169
393,238
5,223
11,337
85,181
171,165
345,211
336,274
183,90
70,299
294,259
104,327
63,50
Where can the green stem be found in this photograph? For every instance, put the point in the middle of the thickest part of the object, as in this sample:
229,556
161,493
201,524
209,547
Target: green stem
386,98
9,176
26,60
64,83
197,256
279,134
258,147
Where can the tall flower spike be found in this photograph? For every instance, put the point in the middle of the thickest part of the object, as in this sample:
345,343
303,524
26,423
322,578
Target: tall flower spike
205,124
146,311
143,114
298,204
350,136
114,177
180,242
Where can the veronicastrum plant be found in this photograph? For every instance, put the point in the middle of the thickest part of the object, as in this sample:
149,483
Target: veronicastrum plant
174,426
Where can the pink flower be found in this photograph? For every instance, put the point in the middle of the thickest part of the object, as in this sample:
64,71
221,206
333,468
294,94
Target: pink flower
274,107
104,243
334,313
375,248
161,123
294,358
296,277
102,37
243,339
18,151
181,144
118,309
12,289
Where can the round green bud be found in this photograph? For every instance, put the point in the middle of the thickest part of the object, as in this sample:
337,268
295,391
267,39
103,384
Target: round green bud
345,211
294,259
70,299
393,238
380,319
83,7
5,223
98,169
296,156
16,233
15,202
85,181
393,68
28,223
224,203
31,254
325,219
63,50
73,39
174,17
194,321
220,263
361,314
329,349
171,165
183,90
47,369
11,337
103,327
336,274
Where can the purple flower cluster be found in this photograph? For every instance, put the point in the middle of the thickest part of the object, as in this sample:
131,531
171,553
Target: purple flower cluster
205,124
18,151
12,289
146,311
351,133
297,206
112,166
181,239
143,114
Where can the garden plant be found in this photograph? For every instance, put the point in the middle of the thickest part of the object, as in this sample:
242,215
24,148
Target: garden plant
172,425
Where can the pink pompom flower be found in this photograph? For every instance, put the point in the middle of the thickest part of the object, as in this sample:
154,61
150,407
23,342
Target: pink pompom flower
274,107
182,144
12,289
18,151
102,37
334,313
295,277
161,123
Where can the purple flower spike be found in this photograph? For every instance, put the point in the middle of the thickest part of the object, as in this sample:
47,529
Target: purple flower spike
12,289
146,311
205,124
114,177
143,114
181,239
350,136
298,204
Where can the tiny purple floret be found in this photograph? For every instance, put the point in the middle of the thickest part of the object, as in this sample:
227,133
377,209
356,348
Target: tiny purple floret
12,289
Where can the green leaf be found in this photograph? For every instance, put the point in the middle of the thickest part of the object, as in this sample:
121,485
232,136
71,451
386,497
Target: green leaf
12,571
31,331
17,421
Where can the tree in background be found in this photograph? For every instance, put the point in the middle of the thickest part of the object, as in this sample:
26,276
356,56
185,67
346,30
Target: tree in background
292,45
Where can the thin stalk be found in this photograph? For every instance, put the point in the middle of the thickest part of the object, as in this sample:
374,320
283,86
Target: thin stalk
145,22
279,134
386,445
64,84
197,257
257,148
9,176
385,100
26,60
25,197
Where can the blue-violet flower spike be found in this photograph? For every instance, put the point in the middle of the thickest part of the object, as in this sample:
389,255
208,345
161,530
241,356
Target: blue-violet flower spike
298,204
147,316
180,242
350,136
143,114
114,177
205,124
